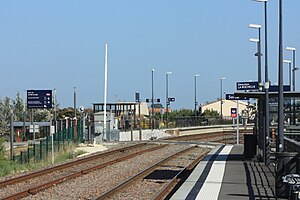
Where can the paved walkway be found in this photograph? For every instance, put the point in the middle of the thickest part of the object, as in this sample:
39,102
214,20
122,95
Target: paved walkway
224,174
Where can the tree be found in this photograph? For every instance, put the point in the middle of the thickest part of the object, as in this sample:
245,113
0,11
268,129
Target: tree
210,113
4,115
18,104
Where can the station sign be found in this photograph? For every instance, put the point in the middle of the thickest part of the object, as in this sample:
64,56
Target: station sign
137,97
233,112
247,85
275,88
232,97
39,99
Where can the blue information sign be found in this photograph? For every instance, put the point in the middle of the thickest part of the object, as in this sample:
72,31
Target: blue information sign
39,98
275,88
247,85
233,112
232,97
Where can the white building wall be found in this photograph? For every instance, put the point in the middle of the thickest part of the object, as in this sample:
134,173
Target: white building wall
227,105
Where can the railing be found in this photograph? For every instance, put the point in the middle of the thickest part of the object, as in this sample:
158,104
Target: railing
291,145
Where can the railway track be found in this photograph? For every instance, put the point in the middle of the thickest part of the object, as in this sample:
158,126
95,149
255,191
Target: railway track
159,179
135,159
35,182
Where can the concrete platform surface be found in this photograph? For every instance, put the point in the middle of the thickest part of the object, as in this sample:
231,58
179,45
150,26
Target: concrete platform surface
225,174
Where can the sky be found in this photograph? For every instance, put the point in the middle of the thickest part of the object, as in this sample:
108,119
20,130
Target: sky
61,44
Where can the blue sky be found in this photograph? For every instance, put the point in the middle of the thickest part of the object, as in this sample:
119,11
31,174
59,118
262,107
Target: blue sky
60,44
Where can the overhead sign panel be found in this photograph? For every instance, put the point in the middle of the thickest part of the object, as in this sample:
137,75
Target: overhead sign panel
275,88
39,98
232,97
247,85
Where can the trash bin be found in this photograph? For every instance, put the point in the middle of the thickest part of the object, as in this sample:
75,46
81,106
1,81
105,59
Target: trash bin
286,163
250,142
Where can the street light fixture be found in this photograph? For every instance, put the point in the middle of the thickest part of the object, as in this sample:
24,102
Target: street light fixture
167,98
294,66
254,40
221,88
196,103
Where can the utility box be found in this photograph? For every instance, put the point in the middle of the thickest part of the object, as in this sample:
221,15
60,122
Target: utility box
112,133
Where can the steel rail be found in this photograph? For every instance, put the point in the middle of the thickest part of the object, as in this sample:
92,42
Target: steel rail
44,186
167,188
65,165
143,173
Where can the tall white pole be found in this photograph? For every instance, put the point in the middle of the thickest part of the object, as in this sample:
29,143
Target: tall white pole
105,90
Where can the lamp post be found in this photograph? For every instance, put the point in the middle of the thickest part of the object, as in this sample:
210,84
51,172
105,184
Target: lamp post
293,86
294,66
196,103
258,54
167,98
152,100
280,143
221,96
267,108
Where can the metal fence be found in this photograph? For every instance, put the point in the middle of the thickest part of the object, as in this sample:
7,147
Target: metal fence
41,150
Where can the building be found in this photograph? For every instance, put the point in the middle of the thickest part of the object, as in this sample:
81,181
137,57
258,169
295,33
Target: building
226,106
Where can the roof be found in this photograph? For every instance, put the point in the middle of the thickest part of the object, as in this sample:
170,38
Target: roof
20,124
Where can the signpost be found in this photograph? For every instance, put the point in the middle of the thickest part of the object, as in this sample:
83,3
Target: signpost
247,85
233,112
39,99
232,97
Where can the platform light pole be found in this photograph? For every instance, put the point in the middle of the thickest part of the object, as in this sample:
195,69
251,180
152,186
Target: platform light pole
293,86
221,96
258,54
280,143
196,103
167,98
152,100
267,85
294,67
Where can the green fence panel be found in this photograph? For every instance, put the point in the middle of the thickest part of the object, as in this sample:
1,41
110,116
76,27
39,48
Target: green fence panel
47,143
41,149
28,154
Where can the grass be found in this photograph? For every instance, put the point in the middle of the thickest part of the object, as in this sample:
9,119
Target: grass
9,167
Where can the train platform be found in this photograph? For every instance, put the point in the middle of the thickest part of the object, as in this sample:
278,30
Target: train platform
225,174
